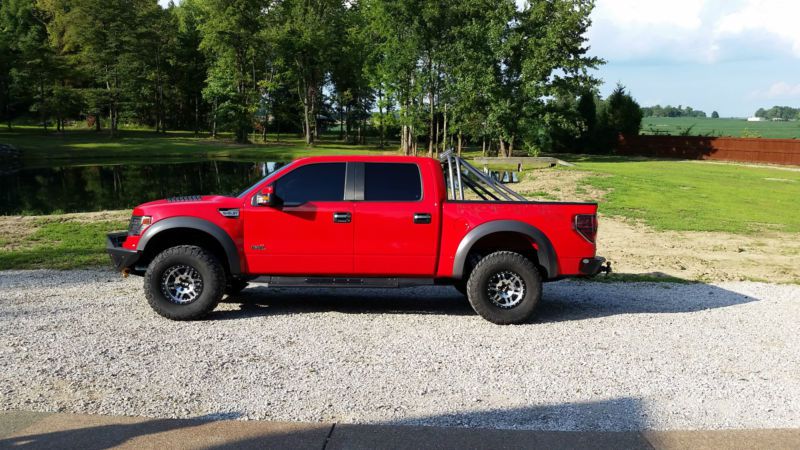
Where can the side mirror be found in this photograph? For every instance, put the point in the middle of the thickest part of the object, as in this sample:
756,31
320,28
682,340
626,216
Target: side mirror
266,197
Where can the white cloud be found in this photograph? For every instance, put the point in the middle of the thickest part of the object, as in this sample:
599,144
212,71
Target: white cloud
700,31
777,18
778,90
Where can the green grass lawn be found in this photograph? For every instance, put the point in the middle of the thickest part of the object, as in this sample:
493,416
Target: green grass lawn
136,145
696,196
59,244
720,127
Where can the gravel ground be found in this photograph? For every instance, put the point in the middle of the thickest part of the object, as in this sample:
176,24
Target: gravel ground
600,356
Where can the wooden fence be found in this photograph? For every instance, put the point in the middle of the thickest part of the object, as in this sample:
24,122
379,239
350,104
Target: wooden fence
757,150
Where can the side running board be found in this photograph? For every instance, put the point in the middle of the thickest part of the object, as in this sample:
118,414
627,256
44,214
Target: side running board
271,281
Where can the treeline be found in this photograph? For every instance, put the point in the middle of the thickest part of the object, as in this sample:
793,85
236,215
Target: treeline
779,113
672,111
431,74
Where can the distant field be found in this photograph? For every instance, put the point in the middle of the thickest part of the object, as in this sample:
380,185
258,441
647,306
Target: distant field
720,127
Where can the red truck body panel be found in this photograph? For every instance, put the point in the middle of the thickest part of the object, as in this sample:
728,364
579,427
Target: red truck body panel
382,240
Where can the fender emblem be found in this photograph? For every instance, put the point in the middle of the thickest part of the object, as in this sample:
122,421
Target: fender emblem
257,247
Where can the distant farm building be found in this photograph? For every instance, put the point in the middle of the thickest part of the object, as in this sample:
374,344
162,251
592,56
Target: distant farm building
755,119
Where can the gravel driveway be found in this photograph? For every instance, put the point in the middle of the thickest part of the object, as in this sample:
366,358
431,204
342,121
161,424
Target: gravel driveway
600,356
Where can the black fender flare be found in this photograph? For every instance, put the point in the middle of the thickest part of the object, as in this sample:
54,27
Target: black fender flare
546,253
231,252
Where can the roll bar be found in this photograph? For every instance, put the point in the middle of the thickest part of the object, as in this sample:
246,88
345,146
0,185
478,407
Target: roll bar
458,172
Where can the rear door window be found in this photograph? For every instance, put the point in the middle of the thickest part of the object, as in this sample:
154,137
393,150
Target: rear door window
392,182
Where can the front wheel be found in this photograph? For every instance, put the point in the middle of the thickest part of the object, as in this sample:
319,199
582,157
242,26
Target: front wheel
505,288
184,282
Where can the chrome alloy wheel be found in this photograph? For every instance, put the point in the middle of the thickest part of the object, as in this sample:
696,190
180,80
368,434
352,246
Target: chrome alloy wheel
181,284
506,289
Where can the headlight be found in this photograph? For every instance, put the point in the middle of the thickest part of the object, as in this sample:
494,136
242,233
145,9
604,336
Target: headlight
138,224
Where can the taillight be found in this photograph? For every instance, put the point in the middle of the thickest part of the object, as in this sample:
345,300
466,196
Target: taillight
586,226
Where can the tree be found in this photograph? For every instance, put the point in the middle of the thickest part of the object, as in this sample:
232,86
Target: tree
229,37
622,114
306,32
189,67
7,62
715,115
30,78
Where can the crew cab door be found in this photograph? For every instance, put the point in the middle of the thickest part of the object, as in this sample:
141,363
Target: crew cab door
396,227
309,228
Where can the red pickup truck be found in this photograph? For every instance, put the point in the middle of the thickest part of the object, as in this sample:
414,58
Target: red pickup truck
359,221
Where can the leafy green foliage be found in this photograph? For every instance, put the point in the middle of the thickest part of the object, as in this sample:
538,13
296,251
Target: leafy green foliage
439,73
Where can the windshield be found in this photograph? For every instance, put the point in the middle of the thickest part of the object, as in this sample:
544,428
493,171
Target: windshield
270,169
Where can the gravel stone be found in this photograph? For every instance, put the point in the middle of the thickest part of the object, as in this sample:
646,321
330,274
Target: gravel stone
599,356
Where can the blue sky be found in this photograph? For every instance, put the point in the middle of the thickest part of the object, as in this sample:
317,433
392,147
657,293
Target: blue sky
732,56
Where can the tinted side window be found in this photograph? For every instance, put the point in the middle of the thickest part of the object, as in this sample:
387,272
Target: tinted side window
314,182
392,182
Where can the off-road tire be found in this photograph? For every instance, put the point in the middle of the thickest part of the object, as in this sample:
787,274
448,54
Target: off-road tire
205,263
496,263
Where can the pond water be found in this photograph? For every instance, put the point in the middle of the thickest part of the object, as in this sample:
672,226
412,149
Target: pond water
98,187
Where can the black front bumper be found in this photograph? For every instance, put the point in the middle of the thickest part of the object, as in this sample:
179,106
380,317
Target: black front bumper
121,257
592,266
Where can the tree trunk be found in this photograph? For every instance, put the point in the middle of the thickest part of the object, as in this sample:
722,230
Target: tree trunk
436,139
306,126
444,128
341,123
309,105
196,116
380,112
41,105
502,147
347,124
459,143
214,120
432,119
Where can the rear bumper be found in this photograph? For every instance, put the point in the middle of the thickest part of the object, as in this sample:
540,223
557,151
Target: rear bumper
122,258
592,266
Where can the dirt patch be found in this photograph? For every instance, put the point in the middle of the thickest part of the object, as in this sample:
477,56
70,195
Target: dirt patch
635,248
557,185
704,256
15,231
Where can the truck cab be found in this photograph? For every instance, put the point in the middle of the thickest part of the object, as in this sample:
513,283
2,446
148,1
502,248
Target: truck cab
356,221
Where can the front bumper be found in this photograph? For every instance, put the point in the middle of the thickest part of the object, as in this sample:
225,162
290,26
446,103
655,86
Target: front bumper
122,258
592,266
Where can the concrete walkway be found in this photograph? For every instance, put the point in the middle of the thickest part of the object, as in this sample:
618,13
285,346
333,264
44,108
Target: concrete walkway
20,429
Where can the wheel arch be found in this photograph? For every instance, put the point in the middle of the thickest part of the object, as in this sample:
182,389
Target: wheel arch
172,225
545,253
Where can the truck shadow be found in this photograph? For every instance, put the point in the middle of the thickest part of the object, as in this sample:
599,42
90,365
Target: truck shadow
562,301
442,300
579,300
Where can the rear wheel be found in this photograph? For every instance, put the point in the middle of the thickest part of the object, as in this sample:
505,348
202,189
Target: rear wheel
184,282
505,288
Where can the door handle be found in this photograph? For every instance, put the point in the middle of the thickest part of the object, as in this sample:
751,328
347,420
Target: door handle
342,217
422,218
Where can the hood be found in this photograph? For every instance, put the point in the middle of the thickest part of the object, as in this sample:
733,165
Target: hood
185,205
